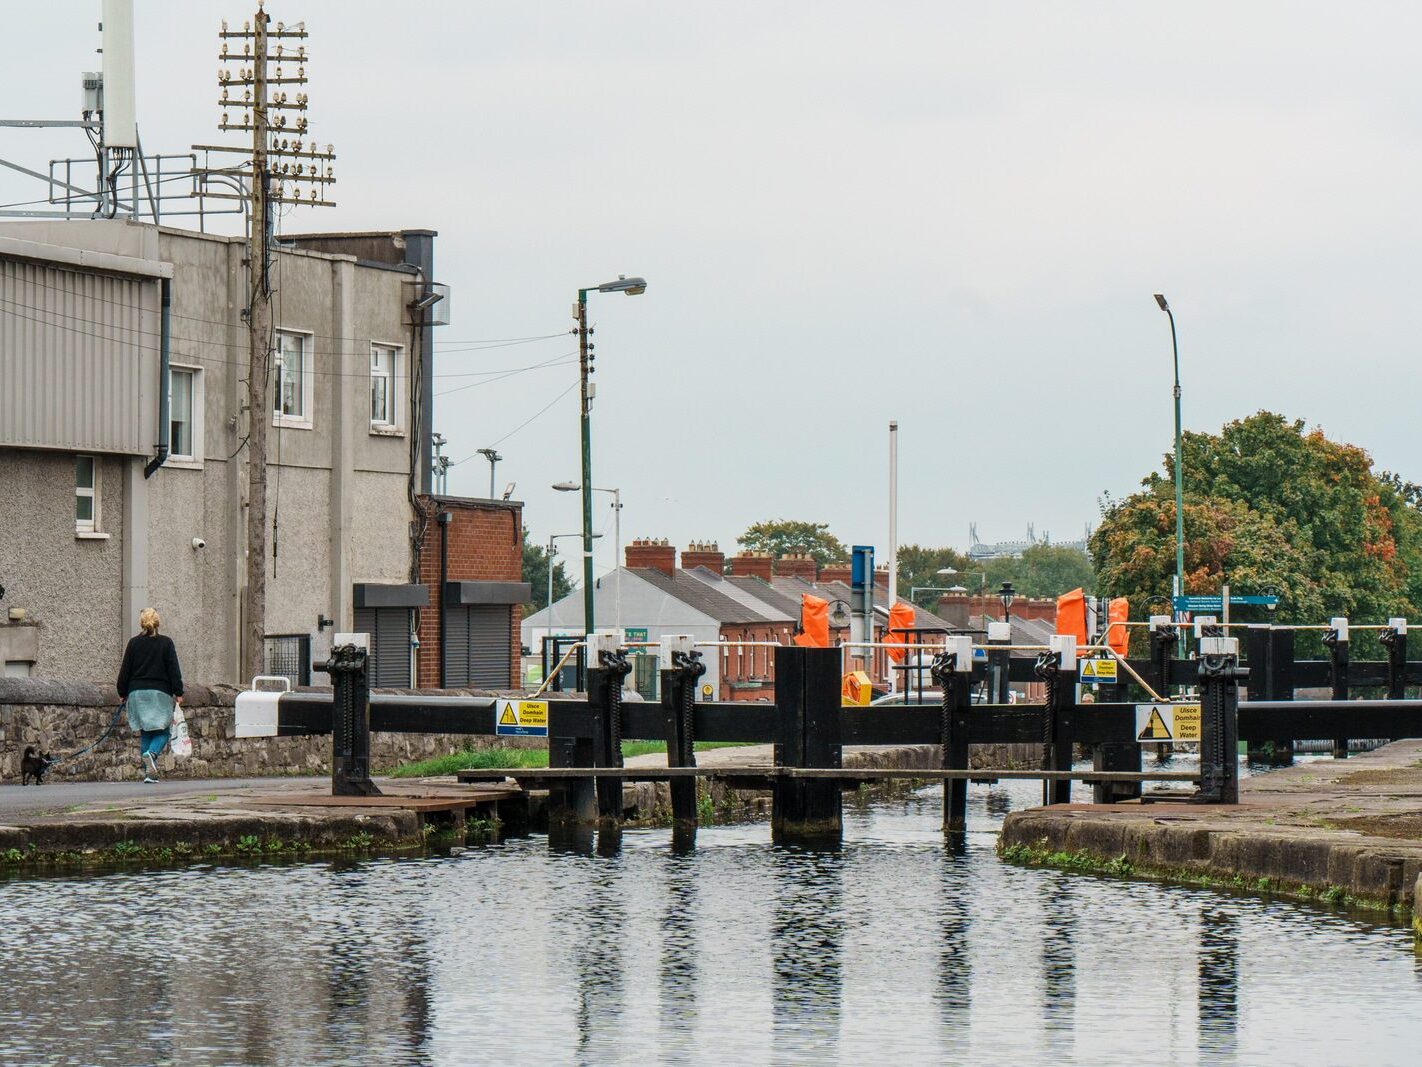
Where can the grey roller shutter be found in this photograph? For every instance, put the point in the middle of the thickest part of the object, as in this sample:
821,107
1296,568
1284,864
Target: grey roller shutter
489,638
389,630
456,646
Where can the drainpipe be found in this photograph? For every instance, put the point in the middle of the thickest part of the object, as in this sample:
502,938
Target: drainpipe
165,334
443,519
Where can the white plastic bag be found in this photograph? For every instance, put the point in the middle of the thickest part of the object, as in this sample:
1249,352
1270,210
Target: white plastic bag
181,744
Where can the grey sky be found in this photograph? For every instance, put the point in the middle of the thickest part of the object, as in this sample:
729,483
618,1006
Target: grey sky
952,214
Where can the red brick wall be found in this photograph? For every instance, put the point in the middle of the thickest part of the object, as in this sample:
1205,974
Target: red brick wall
751,667
655,555
703,554
798,566
485,545
751,565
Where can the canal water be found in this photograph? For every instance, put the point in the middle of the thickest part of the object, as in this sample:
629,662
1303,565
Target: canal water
889,950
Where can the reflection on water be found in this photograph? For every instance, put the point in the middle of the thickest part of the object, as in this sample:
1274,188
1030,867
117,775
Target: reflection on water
889,949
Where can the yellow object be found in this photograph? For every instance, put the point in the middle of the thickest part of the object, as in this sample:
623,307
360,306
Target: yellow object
856,691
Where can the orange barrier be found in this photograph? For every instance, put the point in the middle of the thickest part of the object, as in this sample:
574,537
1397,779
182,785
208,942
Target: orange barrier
814,622
901,617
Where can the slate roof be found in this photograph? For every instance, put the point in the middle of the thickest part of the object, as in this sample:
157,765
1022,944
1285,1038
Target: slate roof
758,596
768,594
832,591
699,595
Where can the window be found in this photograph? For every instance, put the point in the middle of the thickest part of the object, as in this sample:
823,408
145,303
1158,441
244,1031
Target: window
384,366
182,408
293,380
86,494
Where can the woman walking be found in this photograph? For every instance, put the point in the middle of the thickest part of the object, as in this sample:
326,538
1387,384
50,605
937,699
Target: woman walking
152,684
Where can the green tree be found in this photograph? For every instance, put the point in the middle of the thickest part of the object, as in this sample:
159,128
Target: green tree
1271,506
1041,570
535,573
785,537
920,566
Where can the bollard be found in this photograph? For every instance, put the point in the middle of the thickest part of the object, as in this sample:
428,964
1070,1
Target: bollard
682,667
807,710
1336,641
1219,675
609,665
952,671
1394,639
1057,668
350,718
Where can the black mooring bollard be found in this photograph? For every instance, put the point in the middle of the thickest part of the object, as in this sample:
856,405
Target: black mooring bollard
679,677
1219,675
952,671
1336,641
350,722
807,712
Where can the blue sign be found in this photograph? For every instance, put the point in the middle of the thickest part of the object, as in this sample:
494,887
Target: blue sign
1215,603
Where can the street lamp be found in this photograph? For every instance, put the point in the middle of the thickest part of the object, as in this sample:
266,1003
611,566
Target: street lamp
1006,594
552,551
632,287
573,487
493,457
1179,469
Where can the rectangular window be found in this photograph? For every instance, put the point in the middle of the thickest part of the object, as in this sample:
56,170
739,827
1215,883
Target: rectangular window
384,361
293,379
180,413
86,494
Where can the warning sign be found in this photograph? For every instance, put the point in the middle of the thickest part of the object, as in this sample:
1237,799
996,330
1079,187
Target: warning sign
1098,670
1156,723
522,718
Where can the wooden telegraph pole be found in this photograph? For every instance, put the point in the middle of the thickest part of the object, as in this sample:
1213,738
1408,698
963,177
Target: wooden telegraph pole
281,163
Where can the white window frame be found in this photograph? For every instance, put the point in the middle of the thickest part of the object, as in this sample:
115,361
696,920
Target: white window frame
89,529
302,420
393,390
177,459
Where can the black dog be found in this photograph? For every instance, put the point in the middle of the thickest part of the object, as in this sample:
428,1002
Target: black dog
33,764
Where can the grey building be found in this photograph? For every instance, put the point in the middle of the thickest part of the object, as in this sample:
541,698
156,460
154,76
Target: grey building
93,527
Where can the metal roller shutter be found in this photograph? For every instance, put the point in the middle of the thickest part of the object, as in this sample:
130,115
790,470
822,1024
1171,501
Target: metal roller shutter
489,664
456,646
389,630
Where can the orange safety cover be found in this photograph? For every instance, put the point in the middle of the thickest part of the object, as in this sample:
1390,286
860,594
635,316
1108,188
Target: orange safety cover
1071,615
814,622
1118,637
901,617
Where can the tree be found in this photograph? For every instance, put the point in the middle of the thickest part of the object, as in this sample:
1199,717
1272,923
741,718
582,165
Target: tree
920,566
785,537
535,573
1271,507
1041,570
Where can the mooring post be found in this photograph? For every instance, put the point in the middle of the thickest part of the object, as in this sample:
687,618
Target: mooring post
1335,639
807,711
681,667
952,671
608,665
1114,756
1219,676
1057,667
1394,639
350,721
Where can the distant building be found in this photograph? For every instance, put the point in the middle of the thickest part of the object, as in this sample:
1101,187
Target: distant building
980,550
104,511
737,617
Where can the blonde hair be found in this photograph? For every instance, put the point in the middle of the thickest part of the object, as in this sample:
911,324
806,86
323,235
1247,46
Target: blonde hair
148,621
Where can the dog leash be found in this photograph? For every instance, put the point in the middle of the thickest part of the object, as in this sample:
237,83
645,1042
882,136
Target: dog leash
102,737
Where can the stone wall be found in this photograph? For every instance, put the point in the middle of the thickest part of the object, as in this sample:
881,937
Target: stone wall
62,717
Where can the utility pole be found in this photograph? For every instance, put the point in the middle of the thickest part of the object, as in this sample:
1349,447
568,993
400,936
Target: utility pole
280,163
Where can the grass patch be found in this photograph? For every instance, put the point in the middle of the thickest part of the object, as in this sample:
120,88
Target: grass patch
483,758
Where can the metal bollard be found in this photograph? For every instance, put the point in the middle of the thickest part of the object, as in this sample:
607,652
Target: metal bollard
350,721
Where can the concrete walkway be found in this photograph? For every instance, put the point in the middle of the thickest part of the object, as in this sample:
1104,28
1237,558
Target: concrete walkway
58,797
1324,828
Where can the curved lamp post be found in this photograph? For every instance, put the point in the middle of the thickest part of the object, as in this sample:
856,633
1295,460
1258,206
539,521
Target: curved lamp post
1179,470
632,287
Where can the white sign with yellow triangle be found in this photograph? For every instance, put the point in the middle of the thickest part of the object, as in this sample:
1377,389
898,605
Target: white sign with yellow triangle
1167,723
521,718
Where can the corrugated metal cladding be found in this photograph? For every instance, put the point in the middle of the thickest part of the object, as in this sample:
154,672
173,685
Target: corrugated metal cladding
78,359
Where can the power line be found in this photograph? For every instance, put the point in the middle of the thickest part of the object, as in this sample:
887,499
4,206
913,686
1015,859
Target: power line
521,425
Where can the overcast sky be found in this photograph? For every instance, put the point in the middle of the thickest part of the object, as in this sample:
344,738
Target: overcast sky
951,214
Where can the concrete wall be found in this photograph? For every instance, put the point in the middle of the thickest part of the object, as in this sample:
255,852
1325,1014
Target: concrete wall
70,587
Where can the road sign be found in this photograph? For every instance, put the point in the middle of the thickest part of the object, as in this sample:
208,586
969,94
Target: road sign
1166,723
1216,603
635,635
1098,670
522,718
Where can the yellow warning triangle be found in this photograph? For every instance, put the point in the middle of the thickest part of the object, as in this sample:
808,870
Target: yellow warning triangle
1089,669
508,718
1155,730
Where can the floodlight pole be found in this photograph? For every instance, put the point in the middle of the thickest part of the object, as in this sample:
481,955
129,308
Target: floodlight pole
1179,468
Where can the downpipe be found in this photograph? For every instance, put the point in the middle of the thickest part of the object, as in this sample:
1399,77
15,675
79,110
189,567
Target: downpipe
160,457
